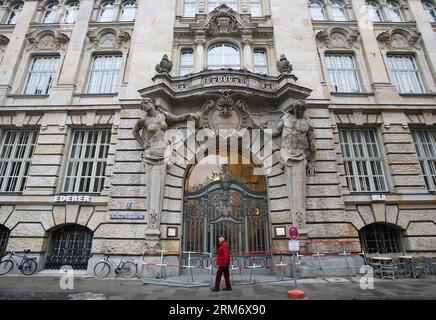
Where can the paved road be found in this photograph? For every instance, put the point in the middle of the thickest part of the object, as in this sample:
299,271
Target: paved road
48,288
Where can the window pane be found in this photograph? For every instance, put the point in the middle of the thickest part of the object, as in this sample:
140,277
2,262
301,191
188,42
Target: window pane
260,62
405,73
186,62
212,4
395,12
190,8
51,13
15,13
374,11
41,74
107,11
71,12
430,10
87,161
16,151
256,8
223,56
342,73
425,145
362,160
128,10
317,10
104,74
339,11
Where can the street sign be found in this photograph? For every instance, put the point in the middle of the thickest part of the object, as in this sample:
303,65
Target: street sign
293,233
294,245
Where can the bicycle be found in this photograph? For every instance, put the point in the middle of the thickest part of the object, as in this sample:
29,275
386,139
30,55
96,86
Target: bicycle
27,266
125,268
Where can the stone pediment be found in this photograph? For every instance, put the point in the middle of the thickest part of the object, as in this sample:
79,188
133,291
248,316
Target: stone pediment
223,20
201,86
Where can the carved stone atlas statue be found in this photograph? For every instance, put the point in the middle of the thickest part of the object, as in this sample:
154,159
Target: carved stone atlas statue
153,127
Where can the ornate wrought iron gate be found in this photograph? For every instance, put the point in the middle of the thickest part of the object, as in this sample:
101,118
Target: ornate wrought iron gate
228,208
71,245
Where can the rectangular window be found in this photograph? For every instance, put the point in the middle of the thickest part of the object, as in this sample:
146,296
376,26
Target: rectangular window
212,4
186,62
405,73
260,62
16,152
256,8
362,160
104,73
342,73
87,161
425,144
40,76
190,8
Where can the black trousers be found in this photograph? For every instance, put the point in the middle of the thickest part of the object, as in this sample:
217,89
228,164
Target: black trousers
219,273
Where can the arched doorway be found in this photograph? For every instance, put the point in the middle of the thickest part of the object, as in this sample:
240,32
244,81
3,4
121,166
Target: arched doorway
380,238
4,237
225,197
70,245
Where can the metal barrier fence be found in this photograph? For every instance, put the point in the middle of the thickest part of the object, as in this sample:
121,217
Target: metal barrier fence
193,269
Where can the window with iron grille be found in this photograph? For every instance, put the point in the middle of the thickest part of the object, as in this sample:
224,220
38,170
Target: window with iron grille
71,245
40,76
186,62
190,8
16,152
362,160
104,73
87,161
4,237
405,73
425,144
380,238
342,73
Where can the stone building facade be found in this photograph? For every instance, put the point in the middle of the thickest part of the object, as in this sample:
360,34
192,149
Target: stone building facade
73,75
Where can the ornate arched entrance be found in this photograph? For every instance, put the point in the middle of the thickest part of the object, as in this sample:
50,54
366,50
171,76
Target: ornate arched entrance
222,197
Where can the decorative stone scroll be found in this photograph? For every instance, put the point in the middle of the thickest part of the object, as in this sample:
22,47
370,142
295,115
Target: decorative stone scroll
399,38
108,38
47,39
338,37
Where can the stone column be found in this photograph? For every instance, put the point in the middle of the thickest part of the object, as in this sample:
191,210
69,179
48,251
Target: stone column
248,53
199,54
14,50
296,181
62,93
155,177
427,34
378,74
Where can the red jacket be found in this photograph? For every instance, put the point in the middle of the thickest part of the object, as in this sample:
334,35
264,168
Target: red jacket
223,255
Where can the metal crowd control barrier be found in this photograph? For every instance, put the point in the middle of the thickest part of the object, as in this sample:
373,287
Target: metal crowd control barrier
194,261
253,267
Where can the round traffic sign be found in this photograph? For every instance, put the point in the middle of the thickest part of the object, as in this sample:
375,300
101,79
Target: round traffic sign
293,233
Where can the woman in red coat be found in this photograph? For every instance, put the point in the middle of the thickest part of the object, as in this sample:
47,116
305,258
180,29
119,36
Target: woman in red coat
223,263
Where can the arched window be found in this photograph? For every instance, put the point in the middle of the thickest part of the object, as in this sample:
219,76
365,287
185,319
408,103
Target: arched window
339,11
4,237
14,13
374,11
260,61
395,13
71,12
223,56
212,4
380,238
128,10
317,9
51,12
70,245
430,9
186,62
107,11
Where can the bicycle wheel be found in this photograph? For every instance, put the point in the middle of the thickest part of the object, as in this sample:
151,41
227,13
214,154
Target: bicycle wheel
29,267
128,269
6,266
102,269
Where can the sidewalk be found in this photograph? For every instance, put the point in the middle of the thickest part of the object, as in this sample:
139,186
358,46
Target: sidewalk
48,287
